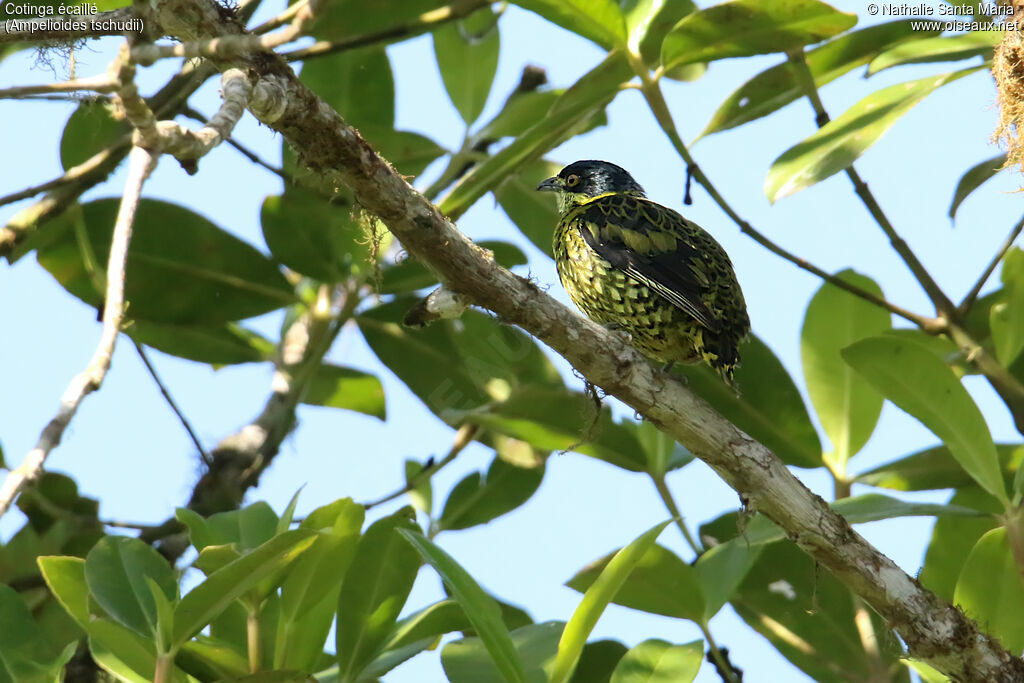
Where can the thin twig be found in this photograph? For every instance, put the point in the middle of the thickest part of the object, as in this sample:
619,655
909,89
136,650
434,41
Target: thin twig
656,101
71,176
142,163
426,22
942,303
463,437
99,84
174,406
972,295
281,19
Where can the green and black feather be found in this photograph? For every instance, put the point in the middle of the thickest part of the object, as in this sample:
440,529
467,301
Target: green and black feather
629,262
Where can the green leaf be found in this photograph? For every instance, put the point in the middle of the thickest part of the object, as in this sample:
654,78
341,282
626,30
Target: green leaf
373,592
468,661
421,493
947,48
936,468
467,55
164,616
598,661
925,387
90,129
358,84
247,528
991,589
741,28
660,583
774,88
309,600
602,591
531,211
480,608
337,387
423,359
181,267
224,586
553,419
721,569
432,621
116,570
226,344
477,500
65,576
840,142
974,178
649,21
1007,318
521,111
589,95
658,661
952,539
25,655
598,20
314,237
847,405
769,409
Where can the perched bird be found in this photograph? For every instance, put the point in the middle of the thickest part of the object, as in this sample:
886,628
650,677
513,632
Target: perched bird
634,265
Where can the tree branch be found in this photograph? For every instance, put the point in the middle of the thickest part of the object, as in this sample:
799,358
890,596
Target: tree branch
89,380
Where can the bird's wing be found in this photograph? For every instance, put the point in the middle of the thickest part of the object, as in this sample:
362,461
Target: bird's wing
655,246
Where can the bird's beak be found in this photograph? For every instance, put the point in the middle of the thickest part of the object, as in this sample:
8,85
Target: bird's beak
553,184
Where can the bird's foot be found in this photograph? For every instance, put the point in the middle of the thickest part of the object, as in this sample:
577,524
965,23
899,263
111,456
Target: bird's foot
620,329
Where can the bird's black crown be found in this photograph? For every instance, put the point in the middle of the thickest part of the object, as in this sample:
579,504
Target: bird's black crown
598,177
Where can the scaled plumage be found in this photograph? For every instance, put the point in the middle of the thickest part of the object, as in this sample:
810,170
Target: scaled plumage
630,263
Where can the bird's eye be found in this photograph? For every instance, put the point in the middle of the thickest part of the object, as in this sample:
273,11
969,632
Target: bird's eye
572,180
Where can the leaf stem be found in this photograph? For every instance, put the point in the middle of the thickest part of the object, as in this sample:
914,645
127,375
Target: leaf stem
942,303
656,102
252,638
722,663
972,295
670,503
164,666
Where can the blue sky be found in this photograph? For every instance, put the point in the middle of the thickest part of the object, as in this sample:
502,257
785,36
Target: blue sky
127,449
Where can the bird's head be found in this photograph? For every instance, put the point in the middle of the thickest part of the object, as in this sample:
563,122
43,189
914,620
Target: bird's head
582,180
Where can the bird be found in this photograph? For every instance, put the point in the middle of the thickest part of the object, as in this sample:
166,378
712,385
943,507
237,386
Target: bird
634,265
